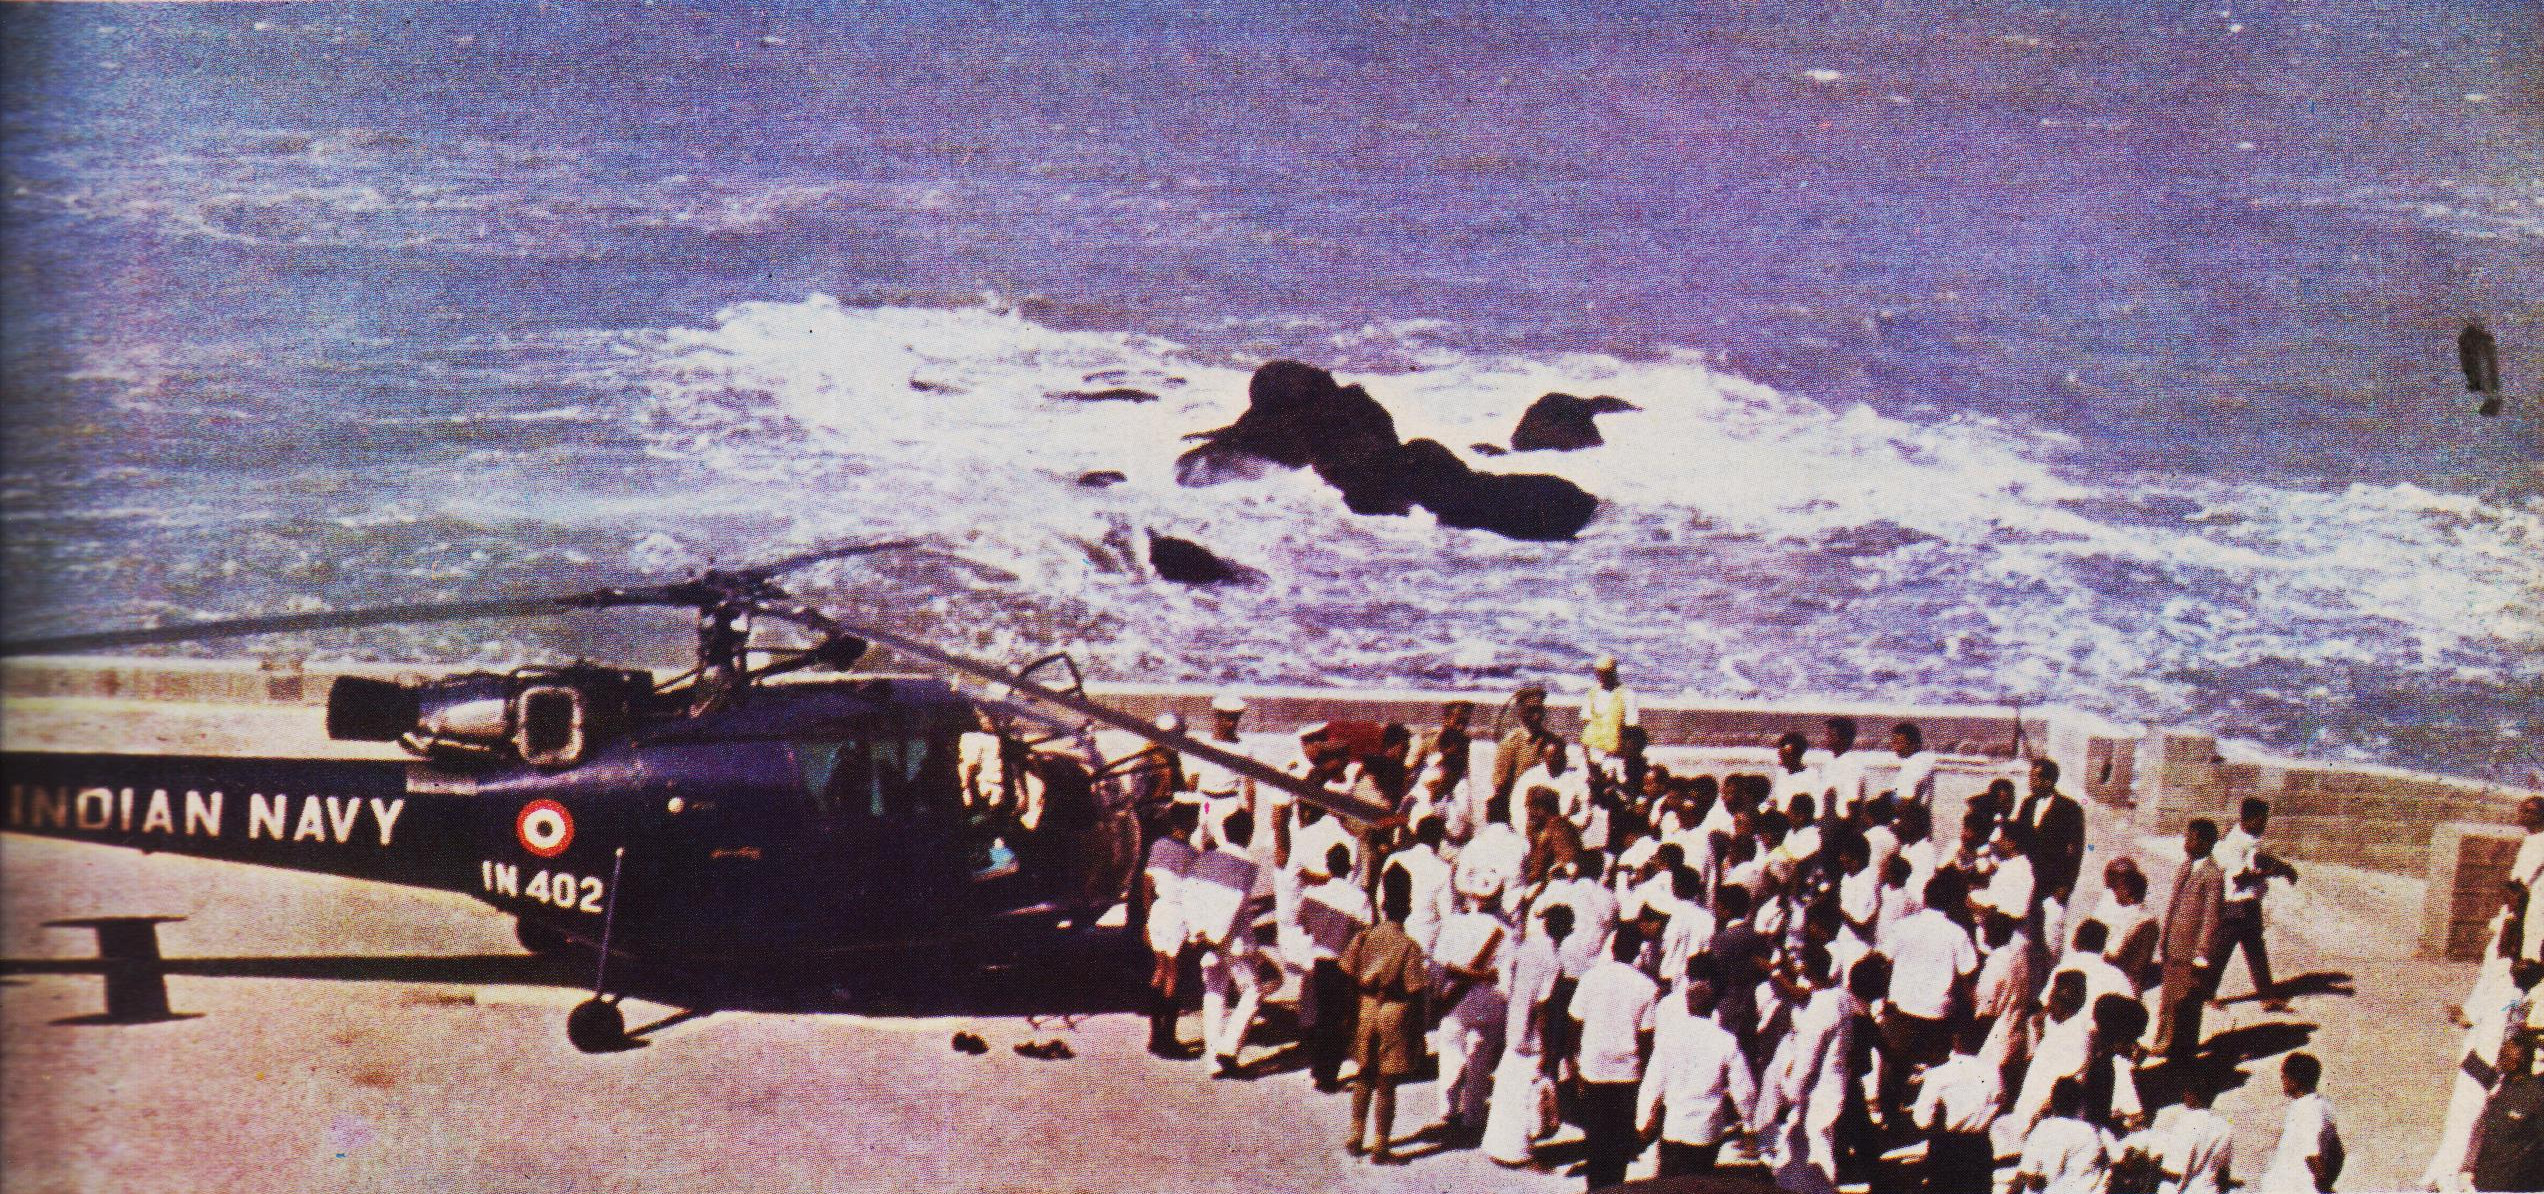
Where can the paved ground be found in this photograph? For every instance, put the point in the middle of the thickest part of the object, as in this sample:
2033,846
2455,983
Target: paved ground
393,1082
352,1036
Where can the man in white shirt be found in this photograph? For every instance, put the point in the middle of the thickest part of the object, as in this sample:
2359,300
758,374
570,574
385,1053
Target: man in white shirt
2063,1154
2191,1144
1221,916
1813,1076
2066,1044
1332,909
1594,912
1512,1122
1691,925
2527,871
1932,960
2309,1155
1429,875
1490,864
1614,1007
1794,776
1955,1105
2101,977
2004,999
1914,782
2519,1006
1842,779
1471,944
1313,842
1170,859
2011,885
2249,871
1697,1089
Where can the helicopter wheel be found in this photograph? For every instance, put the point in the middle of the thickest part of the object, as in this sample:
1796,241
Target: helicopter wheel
596,1026
540,939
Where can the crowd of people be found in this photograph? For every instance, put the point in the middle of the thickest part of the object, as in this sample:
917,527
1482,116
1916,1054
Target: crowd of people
1790,971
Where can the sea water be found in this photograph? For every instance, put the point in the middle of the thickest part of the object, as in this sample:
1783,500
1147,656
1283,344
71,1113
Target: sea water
2080,352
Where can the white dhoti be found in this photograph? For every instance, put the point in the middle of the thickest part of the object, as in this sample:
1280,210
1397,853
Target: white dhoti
1226,975
1515,1117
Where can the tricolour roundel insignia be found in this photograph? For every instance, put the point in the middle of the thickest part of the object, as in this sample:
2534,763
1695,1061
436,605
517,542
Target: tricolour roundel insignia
545,828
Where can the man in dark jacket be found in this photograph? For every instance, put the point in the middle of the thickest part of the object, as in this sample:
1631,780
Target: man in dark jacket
2187,946
2508,1143
2053,835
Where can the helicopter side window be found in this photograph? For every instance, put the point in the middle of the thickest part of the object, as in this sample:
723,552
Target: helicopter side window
836,775
899,763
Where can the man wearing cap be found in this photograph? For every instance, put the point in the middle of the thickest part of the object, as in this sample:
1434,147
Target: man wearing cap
1220,790
1607,710
1526,746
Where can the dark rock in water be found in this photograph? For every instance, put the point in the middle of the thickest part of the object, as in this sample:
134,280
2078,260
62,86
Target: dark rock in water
1488,449
1564,423
1519,505
1116,394
1102,478
1297,416
1188,563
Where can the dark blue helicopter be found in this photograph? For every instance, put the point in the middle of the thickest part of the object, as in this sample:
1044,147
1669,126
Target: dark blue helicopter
712,823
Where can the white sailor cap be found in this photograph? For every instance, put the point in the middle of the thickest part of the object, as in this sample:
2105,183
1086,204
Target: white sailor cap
1170,723
1228,703
1605,663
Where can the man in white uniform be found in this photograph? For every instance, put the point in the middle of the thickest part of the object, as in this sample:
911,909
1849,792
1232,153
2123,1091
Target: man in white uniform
1222,792
1514,1119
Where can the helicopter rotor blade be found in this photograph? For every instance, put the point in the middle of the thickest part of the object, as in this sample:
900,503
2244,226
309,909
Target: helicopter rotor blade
384,615
702,592
1334,802
817,555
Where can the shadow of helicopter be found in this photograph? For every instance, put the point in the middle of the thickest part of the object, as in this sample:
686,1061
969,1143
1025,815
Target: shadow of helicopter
1082,975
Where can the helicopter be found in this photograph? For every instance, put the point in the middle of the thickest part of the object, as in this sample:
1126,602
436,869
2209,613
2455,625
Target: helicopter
717,821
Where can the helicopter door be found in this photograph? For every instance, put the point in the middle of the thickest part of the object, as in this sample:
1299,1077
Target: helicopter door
883,817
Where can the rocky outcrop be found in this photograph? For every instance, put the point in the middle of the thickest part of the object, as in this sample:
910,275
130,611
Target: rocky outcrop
1564,423
1298,416
1188,563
